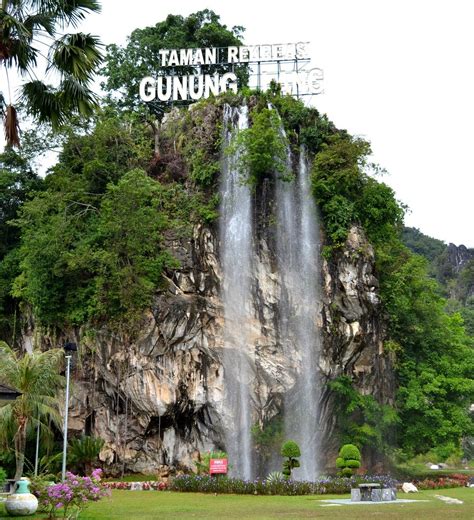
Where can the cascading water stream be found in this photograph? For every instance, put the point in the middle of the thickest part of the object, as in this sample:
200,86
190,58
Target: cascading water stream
236,260
298,252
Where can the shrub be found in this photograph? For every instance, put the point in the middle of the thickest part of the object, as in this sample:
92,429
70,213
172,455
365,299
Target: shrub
291,450
3,476
84,452
451,481
71,497
275,476
348,460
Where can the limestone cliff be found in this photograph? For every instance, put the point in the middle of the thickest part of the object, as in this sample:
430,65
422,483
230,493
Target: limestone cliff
158,400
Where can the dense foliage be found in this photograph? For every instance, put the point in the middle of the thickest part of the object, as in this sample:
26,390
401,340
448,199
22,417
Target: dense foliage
456,275
93,240
126,66
18,183
361,418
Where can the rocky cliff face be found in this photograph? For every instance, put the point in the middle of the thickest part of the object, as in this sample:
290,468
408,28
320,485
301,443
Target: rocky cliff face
158,401
459,256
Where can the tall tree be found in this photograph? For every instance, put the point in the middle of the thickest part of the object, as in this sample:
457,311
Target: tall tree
29,33
18,183
126,66
36,376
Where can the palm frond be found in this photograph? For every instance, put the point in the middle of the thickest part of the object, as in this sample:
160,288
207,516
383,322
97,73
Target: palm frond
15,43
76,54
78,97
70,12
39,20
43,102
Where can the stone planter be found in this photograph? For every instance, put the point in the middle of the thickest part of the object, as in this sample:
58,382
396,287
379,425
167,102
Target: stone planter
22,502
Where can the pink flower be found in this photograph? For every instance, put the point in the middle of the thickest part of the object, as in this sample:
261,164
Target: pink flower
96,474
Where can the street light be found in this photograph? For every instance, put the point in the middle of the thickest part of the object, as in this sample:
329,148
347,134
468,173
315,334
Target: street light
69,348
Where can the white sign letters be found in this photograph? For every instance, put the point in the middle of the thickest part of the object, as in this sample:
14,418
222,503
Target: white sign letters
196,84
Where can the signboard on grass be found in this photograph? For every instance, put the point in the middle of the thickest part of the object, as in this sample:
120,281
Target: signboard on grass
218,466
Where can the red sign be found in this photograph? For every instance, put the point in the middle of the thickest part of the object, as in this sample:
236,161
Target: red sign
217,466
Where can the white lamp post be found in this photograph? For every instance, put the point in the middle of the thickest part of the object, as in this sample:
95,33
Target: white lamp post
69,348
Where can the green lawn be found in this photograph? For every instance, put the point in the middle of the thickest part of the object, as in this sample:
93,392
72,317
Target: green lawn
153,505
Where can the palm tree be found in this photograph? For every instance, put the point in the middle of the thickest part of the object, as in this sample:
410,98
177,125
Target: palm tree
36,376
30,32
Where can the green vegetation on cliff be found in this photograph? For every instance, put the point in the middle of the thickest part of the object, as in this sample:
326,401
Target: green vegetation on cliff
87,247
92,242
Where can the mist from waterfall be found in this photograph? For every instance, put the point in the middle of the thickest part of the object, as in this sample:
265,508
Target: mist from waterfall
236,260
298,264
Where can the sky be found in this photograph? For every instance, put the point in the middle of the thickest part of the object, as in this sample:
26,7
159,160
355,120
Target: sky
397,72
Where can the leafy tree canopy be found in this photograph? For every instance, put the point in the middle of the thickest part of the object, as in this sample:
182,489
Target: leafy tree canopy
126,66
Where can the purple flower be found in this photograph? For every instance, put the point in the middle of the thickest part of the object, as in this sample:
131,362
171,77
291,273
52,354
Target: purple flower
96,474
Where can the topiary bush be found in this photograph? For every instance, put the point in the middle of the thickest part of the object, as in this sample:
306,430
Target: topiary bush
348,460
291,451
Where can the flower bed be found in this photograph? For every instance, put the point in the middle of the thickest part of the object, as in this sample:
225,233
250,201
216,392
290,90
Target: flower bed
451,481
144,486
322,486
326,485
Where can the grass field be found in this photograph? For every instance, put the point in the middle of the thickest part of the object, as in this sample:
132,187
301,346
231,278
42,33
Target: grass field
154,505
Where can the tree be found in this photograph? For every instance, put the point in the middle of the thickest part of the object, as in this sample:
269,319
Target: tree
126,66
291,451
18,183
348,460
30,32
36,376
435,359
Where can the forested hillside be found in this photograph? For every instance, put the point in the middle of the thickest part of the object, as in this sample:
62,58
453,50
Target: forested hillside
452,266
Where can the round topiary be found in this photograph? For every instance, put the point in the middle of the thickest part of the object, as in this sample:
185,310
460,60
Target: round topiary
346,472
349,452
290,449
352,463
340,462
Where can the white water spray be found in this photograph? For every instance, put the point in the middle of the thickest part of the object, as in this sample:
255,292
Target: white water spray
298,253
236,258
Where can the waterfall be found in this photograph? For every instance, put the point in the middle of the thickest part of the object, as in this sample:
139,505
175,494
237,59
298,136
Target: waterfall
236,261
298,252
